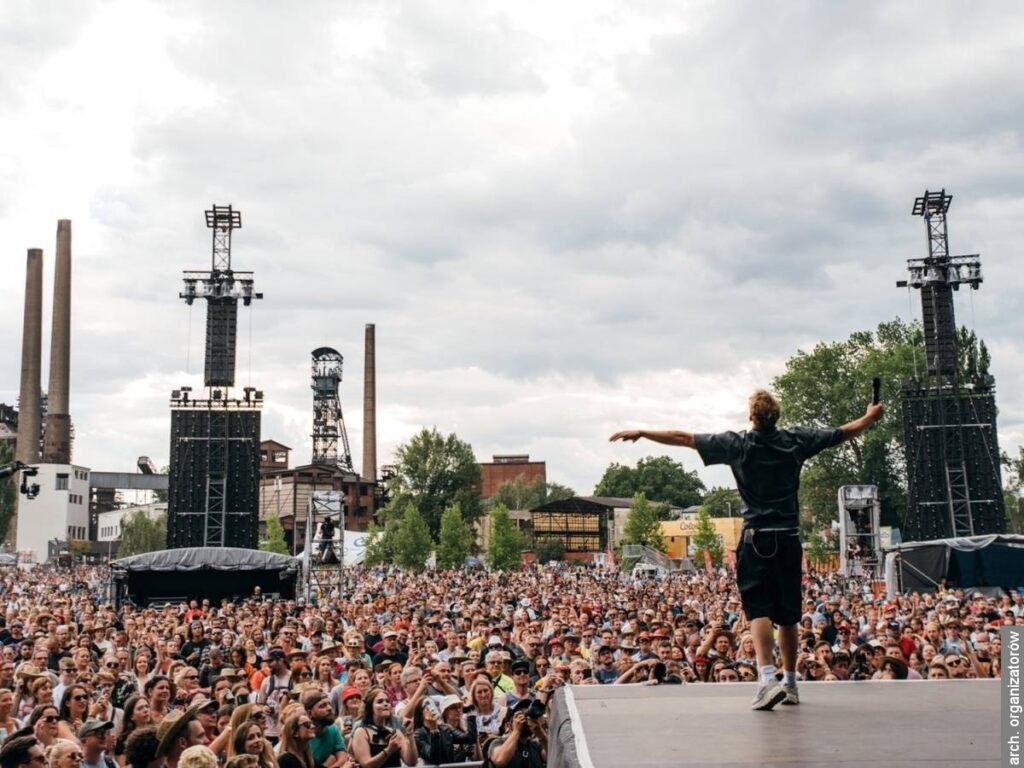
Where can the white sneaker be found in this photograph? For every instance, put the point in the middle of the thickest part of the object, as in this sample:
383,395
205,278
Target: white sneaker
768,695
792,695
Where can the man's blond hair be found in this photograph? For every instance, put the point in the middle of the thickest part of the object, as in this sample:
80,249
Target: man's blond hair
764,409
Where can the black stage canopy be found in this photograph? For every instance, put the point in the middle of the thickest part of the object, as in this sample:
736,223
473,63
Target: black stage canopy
987,563
198,572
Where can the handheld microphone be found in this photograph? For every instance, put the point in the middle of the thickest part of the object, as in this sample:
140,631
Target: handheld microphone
876,390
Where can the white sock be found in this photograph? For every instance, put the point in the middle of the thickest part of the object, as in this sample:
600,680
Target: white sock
767,674
789,676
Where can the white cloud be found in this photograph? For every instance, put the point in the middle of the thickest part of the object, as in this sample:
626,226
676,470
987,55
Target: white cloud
563,220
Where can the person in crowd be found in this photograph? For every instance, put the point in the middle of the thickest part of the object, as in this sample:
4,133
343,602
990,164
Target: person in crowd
140,749
323,674
160,692
74,711
22,752
296,734
351,712
523,742
43,720
521,689
484,716
8,722
326,743
377,742
64,754
136,715
249,739
94,736
198,756
275,688
177,732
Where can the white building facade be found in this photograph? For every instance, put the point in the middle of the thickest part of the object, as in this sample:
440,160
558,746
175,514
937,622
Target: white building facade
60,510
109,524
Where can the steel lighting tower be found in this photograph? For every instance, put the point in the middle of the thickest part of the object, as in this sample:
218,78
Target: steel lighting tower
952,452
213,497
328,422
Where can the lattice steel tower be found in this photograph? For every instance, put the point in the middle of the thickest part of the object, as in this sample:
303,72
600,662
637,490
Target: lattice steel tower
953,475
328,422
213,494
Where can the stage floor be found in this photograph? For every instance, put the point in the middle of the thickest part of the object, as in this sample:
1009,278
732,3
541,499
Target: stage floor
838,725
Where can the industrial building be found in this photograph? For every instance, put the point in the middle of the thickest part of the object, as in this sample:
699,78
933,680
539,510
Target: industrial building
504,468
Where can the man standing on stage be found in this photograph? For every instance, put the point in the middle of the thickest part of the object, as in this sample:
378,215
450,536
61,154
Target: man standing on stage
766,463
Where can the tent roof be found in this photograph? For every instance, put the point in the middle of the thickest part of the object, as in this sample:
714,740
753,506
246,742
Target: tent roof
965,542
207,558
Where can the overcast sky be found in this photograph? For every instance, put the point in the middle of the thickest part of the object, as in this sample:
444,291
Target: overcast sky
563,218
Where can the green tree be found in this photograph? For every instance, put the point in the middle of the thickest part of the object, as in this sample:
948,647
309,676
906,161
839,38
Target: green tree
521,494
722,502
820,548
659,478
141,534
8,489
435,471
830,386
275,537
381,543
505,543
455,541
1013,491
412,542
643,525
706,538
558,492
548,548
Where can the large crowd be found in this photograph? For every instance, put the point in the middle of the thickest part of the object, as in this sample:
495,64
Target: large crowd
398,668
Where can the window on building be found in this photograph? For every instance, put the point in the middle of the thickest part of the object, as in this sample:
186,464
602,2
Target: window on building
280,457
62,482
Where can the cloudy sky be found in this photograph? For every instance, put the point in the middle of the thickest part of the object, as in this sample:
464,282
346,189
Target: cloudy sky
563,218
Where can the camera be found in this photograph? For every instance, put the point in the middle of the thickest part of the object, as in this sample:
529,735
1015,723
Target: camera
536,710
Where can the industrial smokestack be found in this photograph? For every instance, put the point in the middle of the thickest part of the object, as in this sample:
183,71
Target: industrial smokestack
370,405
57,440
29,419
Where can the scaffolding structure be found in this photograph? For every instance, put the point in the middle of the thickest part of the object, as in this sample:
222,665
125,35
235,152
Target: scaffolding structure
952,451
860,537
213,484
323,557
330,438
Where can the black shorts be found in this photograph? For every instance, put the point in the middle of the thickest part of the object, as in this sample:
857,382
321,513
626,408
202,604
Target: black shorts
769,571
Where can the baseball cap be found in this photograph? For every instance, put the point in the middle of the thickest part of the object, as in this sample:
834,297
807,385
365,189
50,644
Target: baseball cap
92,726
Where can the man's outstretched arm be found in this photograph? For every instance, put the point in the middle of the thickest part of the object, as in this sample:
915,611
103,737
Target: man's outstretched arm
667,436
857,426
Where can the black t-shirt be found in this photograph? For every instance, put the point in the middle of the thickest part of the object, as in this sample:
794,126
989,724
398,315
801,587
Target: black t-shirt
766,465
